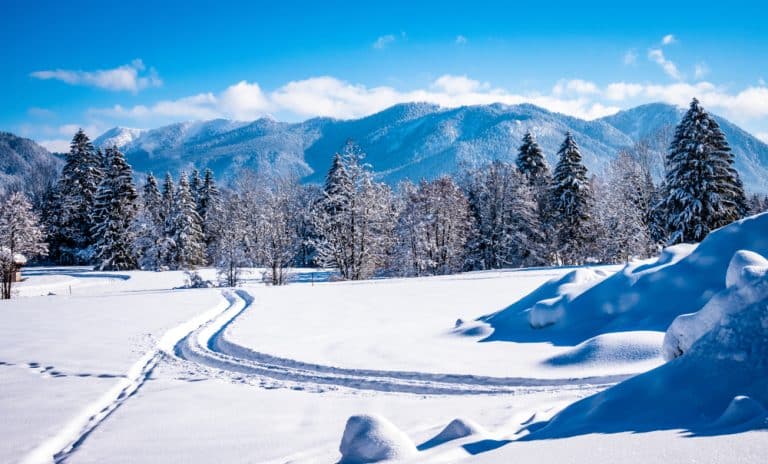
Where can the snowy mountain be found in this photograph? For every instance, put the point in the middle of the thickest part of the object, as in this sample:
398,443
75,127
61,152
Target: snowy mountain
25,165
413,140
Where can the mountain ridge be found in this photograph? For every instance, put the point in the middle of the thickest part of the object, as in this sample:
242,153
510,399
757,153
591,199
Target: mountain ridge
415,140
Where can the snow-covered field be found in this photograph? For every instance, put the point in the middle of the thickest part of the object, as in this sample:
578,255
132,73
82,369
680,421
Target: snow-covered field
122,367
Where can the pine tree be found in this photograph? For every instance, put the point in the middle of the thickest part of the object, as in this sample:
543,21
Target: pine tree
571,200
355,218
149,227
21,237
209,208
77,187
188,237
113,215
531,162
195,184
704,190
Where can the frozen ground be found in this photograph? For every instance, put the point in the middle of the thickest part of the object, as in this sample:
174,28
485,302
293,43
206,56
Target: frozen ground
123,368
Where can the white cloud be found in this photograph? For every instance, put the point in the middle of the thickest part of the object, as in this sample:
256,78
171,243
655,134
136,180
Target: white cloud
383,41
700,70
55,145
657,55
630,58
574,87
619,91
128,77
455,85
460,40
668,39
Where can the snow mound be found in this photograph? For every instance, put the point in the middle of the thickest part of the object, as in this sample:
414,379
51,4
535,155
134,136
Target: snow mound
371,438
647,296
742,410
612,348
743,277
458,428
699,390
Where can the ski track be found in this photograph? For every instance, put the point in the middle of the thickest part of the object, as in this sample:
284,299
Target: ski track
210,347
202,341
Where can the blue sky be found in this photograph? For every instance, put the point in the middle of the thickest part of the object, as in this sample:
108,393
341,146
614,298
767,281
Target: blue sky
144,64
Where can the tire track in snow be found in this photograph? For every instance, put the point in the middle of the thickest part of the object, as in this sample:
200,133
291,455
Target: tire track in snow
210,347
59,447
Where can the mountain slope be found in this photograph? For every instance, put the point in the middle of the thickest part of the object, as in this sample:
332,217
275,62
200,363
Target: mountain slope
414,140
25,166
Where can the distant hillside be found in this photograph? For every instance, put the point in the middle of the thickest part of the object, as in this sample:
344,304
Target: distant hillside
412,141
25,166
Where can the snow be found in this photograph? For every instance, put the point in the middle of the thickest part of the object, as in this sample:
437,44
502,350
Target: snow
371,438
127,369
642,296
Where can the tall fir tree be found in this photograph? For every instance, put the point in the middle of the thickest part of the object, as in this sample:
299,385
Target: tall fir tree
209,209
21,237
189,250
80,178
149,227
531,162
571,200
114,211
195,184
703,189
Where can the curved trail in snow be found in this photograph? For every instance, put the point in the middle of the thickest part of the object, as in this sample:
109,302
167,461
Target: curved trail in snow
59,447
210,347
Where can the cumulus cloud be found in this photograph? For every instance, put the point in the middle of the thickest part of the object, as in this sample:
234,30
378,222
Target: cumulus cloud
668,39
460,40
657,55
131,77
332,97
383,41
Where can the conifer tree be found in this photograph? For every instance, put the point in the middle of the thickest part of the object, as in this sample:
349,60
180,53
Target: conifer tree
704,190
113,215
571,200
77,187
209,209
189,250
531,162
149,227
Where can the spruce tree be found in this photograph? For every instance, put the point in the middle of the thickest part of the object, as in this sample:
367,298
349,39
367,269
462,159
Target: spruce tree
149,227
531,162
571,200
209,209
704,190
80,178
113,215
21,237
188,237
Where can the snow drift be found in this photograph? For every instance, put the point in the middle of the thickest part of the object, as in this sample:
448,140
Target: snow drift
644,296
718,379
371,438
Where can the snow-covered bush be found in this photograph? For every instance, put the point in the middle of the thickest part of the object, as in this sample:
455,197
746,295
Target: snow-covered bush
193,279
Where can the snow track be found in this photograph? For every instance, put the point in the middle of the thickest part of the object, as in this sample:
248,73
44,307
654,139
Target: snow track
210,347
59,447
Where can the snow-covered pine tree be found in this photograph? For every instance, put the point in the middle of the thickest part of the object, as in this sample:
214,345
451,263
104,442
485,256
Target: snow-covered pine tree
355,218
757,205
80,178
571,202
189,250
209,209
21,237
148,228
704,191
114,211
531,162
195,184
167,208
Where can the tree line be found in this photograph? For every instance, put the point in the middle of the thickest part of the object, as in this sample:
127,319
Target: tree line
499,215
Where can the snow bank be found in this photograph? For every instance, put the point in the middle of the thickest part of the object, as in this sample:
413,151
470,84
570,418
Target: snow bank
702,389
458,428
641,296
613,348
371,438
742,281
